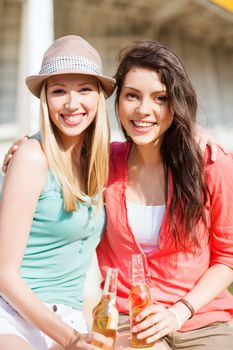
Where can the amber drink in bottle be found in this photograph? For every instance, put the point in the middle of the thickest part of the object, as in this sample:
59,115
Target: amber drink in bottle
139,298
106,315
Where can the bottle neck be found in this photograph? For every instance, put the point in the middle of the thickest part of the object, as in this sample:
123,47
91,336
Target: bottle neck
138,277
110,286
138,273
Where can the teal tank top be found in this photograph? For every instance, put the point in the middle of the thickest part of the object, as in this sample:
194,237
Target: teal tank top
60,247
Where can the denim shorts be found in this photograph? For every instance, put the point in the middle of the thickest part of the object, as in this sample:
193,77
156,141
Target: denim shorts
12,323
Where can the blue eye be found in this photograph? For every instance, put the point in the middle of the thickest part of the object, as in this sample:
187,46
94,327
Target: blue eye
85,89
58,91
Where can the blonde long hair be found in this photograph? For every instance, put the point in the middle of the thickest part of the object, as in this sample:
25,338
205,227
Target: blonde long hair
95,146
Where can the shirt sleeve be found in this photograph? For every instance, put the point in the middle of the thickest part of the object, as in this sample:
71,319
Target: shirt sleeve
220,176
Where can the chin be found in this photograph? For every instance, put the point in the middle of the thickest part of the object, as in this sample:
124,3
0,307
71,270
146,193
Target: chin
143,141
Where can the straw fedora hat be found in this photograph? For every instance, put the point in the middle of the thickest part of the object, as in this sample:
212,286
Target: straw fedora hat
67,55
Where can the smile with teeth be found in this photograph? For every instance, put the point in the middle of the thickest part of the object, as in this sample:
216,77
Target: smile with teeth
141,124
73,118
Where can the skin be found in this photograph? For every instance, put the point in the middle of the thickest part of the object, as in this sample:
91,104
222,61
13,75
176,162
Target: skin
143,109
143,98
145,116
72,106
72,102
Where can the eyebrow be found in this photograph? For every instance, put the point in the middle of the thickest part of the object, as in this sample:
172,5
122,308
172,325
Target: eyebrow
52,84
57,83
156,91
132,88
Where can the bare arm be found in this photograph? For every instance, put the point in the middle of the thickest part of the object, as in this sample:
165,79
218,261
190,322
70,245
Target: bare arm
23,184
10,153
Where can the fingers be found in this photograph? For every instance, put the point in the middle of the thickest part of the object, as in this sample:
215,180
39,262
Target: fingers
202,142
159,322
8,157
214,154
10,153
99,340
150,325
203,139
213,147
6,161
21,139
151,309
160,334
90,341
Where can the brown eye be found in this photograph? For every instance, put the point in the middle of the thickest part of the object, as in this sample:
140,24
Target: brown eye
131,96
162,98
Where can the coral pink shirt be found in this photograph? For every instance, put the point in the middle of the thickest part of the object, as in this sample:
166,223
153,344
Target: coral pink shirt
171,272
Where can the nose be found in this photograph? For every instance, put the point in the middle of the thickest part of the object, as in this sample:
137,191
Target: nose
73,101
144,107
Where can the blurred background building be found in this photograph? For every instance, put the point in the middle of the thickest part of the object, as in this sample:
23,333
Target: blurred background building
200,32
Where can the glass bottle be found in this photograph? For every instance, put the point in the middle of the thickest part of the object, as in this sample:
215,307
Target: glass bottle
139,298
106,315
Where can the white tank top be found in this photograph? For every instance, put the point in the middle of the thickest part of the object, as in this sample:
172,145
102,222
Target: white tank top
145,222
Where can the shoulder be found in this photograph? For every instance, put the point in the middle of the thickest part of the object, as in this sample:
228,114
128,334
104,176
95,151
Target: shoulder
222,169
29,165
223,159
30,154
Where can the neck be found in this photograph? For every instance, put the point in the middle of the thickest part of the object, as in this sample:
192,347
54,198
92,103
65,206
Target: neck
72,146
146,155
146,179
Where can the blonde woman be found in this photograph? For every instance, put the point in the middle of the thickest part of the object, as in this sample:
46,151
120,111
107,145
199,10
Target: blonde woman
51,214
84,176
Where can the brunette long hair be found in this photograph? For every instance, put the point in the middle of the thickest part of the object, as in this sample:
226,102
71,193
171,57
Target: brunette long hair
179,150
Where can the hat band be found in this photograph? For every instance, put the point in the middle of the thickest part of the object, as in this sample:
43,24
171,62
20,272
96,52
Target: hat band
75,63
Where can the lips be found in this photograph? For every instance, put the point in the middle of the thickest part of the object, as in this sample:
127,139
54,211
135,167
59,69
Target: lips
142,124
142,127
72,119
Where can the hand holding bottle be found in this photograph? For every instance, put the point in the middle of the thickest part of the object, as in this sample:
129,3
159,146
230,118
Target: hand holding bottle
105,320
85,341
156,321
139,300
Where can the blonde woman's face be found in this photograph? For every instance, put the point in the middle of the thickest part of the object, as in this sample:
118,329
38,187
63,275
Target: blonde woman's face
72,103
143,107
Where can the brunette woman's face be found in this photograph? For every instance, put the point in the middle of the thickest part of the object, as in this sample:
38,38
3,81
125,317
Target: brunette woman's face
72,103
143,107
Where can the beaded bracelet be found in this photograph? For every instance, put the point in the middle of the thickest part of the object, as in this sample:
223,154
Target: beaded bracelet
188,305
